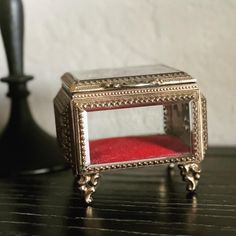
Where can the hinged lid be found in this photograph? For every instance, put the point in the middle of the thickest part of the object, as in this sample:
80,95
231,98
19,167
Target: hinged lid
129,77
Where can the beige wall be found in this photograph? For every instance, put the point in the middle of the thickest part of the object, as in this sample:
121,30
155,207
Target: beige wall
196,36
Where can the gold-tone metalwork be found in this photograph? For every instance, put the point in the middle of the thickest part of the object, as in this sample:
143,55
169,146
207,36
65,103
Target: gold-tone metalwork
191,174
87,184
184,115
204,122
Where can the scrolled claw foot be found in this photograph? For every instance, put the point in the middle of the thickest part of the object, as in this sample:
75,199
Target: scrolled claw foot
191,174
87,185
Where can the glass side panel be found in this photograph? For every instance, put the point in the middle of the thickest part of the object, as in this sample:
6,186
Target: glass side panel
133,134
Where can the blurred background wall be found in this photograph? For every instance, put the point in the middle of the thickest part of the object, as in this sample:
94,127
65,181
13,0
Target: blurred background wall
67,35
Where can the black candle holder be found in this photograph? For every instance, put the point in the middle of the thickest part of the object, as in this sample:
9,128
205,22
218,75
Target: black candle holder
24,147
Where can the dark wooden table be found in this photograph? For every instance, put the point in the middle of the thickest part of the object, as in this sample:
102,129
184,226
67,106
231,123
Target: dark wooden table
132,202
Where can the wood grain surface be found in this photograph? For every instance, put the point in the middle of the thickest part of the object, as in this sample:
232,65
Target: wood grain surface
146,201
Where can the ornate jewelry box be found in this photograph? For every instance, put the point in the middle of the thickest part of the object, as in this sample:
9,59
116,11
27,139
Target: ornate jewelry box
181,140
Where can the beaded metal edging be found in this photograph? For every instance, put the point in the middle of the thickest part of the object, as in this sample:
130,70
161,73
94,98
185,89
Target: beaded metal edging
81,107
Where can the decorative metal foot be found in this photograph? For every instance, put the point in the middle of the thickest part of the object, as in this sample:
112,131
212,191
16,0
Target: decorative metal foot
87,185
191,174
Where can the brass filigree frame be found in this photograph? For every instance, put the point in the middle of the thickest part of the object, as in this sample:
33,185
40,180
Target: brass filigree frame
76,98
81,106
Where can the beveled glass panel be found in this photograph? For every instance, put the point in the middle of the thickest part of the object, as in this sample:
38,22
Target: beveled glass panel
135,134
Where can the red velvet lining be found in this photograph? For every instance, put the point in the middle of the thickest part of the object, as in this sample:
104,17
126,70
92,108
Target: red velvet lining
132,148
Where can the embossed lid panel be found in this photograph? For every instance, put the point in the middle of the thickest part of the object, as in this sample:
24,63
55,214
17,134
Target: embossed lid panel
123,72
121,78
